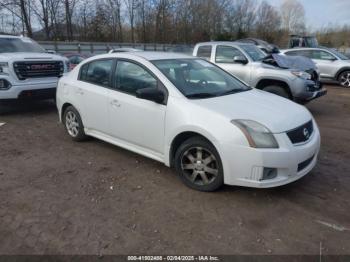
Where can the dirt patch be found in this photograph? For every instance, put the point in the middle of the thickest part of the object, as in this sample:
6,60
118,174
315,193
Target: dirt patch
61,197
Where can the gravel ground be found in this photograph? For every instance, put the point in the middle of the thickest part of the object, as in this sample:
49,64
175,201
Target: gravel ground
62,197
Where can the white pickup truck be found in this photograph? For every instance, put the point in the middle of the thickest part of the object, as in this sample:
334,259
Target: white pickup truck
27,71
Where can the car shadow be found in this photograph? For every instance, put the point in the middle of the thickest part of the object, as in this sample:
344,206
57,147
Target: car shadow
25,107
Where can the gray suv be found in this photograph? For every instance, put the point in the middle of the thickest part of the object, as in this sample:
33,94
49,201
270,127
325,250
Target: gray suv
254,67
332,65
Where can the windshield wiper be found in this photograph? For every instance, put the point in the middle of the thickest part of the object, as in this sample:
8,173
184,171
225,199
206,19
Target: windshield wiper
201,95
233,91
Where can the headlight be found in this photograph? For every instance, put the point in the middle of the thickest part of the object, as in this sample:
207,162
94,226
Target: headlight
4,68
301,74
258,136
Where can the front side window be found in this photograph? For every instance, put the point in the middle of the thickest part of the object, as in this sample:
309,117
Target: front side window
338,54
253,52
97,72
226,54
204,51
322,55
131,77
197,78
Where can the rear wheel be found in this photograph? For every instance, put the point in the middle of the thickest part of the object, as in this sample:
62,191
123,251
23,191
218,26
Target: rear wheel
199,165
277,90
73,124
344,79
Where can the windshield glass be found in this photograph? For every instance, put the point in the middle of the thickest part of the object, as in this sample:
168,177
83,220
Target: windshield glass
254,52
13,45
197,78
338,54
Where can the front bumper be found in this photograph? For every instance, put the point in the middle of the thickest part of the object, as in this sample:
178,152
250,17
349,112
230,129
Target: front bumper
311,91
40,90
244,166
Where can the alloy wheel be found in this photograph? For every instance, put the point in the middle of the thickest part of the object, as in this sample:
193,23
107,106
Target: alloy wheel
199,166
345,79
72,124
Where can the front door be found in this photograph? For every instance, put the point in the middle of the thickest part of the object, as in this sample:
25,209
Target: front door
135,121
224,57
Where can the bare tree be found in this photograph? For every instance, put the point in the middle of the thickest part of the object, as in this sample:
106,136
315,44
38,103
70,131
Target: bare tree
131,6
69,6
115,7
268,22
293,16
20,9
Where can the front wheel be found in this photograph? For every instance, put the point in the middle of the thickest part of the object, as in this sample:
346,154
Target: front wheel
277,90
73,124
199,165
344,79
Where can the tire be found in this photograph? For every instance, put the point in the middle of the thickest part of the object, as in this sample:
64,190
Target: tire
277,90
199,165
73,124
344,79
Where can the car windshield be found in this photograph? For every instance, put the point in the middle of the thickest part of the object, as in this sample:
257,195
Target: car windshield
254,52
197,78
14,45
338,54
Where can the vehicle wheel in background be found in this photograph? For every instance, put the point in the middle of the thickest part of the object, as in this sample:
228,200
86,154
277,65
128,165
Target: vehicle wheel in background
199,165
277,90
73,124
344,79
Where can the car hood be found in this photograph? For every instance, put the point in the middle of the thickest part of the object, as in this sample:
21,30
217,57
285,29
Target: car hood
29,56
276,113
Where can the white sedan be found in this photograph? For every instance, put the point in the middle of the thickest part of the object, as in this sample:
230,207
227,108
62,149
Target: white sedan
189,114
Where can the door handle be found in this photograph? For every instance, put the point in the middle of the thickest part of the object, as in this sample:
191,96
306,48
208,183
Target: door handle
115,103
80,91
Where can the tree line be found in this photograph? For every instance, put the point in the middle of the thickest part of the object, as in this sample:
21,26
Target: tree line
152,21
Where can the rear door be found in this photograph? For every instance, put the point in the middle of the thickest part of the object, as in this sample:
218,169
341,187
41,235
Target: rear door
94,92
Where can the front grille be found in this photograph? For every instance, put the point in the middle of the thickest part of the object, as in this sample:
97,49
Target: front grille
38,69
301,134
314,75
305,164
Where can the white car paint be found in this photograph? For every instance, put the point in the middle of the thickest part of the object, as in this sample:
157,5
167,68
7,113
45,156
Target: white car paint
149,129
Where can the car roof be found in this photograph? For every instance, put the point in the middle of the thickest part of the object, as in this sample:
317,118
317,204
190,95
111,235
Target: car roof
224,43
152,55
306,48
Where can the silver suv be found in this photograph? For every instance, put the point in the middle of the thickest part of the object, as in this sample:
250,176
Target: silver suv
333,65
252,66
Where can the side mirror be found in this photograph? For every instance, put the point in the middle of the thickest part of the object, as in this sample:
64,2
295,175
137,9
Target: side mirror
240,60
152,94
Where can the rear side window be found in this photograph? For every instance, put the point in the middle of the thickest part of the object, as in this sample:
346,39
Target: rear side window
306,53
97,72
131,77
204,51
226,54
322,55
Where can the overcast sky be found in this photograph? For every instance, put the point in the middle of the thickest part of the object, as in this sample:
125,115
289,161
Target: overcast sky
322,12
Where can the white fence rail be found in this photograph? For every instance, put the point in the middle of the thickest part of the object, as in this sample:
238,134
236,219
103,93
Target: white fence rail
100,48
